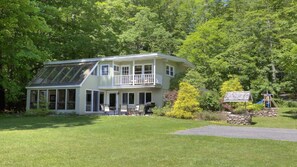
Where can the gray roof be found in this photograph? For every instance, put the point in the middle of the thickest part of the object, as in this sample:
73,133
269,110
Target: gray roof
127,58
238,96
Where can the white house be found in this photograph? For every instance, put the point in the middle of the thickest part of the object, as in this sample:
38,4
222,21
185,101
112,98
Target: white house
84,86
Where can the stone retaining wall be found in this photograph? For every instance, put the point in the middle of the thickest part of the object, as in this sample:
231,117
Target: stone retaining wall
272,112
239,119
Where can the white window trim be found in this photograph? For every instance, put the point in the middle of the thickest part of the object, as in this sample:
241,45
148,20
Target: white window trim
173,70
142,68
64,99
86,101
121,71
47,98
108,72
122,100
67,100
128,102
92,100
115,65
145,92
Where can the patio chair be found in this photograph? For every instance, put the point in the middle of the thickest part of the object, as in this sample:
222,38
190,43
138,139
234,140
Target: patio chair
124,109
106,109
140,109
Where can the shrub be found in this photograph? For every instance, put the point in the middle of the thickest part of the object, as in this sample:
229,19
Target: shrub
286,103
281,102
161,111
38,112
186,103
210,101
187,98
292,103
232,84
240,110
211,116
170,97
180,114
254,107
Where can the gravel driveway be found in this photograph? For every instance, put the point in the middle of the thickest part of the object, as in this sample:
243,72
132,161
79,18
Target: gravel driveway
243,132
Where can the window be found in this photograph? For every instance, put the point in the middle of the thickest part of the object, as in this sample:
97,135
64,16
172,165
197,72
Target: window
125,98
88,100
143,69
116,68
95,101
141,98
61,99
125,70
33,99
145,97
131,98
170,70
128,98
62,74
52,99
138,69
92,101
104,69
70,99
95,72
42,98
147,69
148,97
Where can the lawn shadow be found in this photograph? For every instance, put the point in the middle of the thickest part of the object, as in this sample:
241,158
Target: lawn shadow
290,114
38,122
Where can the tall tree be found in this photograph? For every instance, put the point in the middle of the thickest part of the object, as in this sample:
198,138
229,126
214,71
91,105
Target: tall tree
19,52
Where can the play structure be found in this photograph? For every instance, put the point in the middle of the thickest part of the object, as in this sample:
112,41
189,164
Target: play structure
267,101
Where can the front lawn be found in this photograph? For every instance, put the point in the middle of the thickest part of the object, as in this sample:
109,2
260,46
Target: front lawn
129,141
286,118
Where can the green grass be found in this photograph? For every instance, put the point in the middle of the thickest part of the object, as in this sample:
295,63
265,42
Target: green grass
129,141
286,118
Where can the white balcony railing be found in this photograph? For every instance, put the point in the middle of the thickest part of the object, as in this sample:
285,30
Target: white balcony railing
138,79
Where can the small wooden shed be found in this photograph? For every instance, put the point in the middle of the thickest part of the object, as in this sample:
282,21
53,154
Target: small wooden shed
238,96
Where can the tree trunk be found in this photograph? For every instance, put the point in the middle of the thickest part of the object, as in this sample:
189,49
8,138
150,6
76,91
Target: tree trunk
273,70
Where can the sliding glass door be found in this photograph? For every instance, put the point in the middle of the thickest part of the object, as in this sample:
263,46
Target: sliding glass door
92,101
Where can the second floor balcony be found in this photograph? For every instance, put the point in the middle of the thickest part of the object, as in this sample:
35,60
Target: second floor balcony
137,79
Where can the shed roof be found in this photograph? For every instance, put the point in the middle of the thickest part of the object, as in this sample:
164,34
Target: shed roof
238,96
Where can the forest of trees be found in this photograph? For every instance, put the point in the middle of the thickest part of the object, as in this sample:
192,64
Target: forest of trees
253,40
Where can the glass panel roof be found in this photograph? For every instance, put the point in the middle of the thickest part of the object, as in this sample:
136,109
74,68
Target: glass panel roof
62,74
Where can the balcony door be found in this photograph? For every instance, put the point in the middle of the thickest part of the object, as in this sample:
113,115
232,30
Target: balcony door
125,71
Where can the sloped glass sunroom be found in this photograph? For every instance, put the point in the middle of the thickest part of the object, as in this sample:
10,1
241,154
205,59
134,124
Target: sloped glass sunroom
54,87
